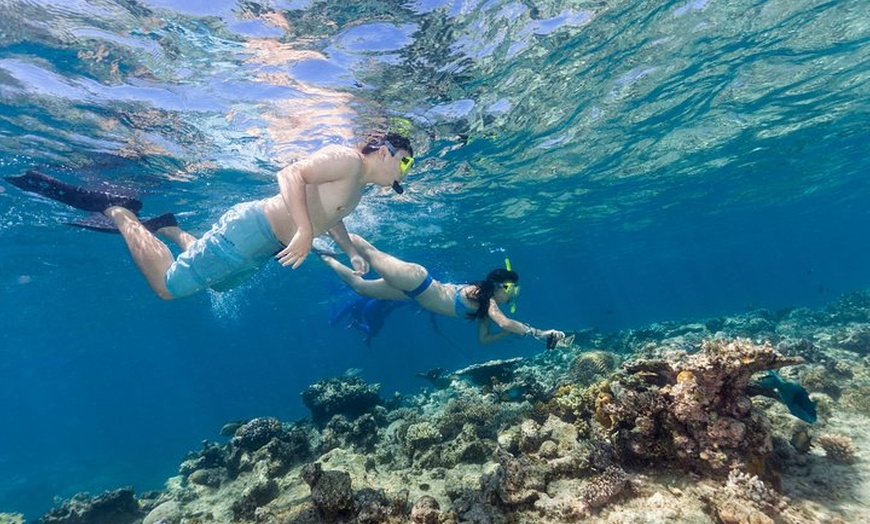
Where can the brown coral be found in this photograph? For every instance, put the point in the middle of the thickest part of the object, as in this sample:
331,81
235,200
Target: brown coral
838,448
694,411
598,492
745,498
604,487
592,364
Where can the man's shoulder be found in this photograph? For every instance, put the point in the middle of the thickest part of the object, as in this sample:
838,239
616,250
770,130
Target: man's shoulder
332,163
338,150
339,155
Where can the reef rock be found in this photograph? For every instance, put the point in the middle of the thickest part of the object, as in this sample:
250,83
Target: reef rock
493,371
168,512
254,496
331,492
348,396
112,507
257,433
426,511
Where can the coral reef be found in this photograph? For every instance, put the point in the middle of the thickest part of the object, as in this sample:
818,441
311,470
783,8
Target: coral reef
598,492
262,442
425,511
113,507
331,492
486,373
745,498
348,396
694,412
592,365
257,433
649,425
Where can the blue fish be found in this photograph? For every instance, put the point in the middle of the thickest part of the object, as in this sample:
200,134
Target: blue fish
791,394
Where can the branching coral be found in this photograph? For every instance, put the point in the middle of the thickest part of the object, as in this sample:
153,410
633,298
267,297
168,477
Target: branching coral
838,448
604,487
745,498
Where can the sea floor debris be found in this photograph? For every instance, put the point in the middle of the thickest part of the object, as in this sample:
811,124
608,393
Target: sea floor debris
643,426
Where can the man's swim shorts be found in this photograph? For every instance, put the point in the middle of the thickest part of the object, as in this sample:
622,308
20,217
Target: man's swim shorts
235,248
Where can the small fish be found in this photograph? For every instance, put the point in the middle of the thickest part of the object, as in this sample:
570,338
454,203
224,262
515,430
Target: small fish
229,429
432,374
437,376
801,440
791,394
690,349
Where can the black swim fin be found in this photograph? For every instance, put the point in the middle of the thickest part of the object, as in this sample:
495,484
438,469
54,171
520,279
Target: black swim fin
103,224
78,197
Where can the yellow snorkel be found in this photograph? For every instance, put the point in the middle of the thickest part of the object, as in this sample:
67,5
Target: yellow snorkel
510,287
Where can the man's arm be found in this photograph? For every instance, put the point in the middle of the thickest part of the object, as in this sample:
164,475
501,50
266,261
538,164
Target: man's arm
339,234
328,165
292,187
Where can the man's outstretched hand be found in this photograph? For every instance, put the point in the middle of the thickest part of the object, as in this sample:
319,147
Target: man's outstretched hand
298,249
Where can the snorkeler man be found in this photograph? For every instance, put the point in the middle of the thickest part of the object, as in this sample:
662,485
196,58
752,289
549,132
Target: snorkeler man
315,195
479,301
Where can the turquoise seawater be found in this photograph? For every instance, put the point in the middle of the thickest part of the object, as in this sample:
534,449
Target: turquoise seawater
637,161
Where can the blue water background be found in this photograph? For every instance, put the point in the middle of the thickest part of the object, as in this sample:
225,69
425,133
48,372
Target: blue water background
638,162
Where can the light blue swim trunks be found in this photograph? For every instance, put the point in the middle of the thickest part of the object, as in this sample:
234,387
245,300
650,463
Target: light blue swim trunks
235,248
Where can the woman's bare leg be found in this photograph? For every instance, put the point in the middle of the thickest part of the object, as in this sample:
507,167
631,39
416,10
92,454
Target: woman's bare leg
405,276
151,255
367,288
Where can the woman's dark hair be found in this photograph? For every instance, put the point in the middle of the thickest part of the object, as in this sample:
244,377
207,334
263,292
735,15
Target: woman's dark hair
486,288
374,142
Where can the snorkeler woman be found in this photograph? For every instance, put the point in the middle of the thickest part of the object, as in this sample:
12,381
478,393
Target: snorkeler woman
479,300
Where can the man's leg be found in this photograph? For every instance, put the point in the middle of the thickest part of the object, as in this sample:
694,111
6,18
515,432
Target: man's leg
150,254
405,276
182,238
367,288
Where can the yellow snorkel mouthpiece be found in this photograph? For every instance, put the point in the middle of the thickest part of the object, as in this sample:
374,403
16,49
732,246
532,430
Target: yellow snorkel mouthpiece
513,289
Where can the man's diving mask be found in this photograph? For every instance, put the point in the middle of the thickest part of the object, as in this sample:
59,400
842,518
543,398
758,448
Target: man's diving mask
405,163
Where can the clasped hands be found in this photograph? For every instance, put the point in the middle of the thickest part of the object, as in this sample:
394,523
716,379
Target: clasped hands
300,246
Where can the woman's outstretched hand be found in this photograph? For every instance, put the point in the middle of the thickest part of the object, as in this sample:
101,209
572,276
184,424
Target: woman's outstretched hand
552,337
